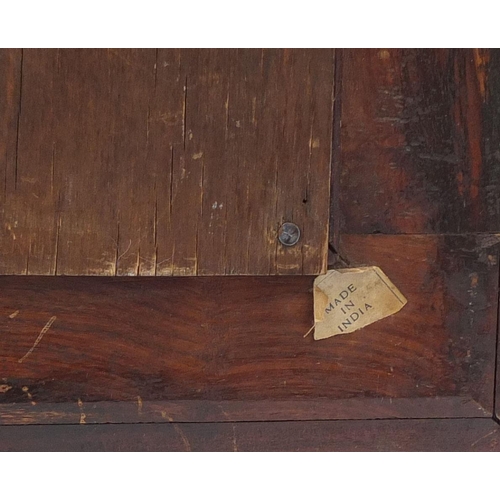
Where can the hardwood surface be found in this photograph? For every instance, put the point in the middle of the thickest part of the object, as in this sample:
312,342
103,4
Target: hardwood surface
476,434
419,141
164,162
202,349
221,363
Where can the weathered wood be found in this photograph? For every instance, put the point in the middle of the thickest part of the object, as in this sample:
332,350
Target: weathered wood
166,162
180,162
461,281
137,410
405,435
419,142
10,107
233,348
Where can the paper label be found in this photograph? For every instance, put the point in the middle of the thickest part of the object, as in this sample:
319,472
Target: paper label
346,300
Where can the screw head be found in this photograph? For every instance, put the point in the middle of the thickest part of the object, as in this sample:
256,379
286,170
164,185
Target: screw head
289,234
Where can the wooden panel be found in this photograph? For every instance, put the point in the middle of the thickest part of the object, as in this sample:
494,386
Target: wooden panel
185,162
420,141
10,102
461,281
164,162
411,435
204,349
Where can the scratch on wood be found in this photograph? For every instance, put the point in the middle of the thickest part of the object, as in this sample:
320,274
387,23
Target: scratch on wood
184,113
235,444
138,263
226,417
28,257
14,314
82,415
483,437
45,329
196,245
163,261
178,430
117,247
56,253
5,388
125,252
139,405
8,227
226,105
26,390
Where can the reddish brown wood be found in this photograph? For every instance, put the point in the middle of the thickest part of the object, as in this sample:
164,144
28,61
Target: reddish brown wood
372,435
419,141
164,162
461,283
204,349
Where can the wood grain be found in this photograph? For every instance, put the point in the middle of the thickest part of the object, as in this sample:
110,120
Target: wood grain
205,349
185,162
405,435
419,141
10,102
164,162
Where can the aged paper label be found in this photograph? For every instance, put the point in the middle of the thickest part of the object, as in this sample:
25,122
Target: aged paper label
346,300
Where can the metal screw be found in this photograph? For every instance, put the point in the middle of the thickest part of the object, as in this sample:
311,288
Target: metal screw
289,234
